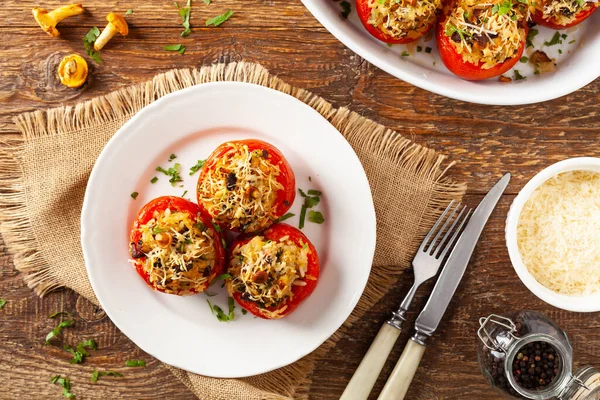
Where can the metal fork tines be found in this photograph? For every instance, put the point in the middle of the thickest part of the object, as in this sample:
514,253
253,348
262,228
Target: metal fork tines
437,244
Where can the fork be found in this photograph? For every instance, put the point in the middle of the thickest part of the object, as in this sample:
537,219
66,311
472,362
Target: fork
426,264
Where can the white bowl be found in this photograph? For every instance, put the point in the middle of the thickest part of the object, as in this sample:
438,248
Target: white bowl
577,63
589,303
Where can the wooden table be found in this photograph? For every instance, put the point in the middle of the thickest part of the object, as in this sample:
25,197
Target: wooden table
283,36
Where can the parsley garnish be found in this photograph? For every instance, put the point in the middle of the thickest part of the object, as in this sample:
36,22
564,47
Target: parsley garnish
173,172
572,41
316,217
530,35
450,29
2,303
88,44
56,314
129,12
286,216
207,2
175,47
405,54
419,49
90,344
59,328
524,59
172,157
98,374
310,200
219,313
135,363
244,311
222,277
77,355
154,180
65,384
197,167
184,193
518,76
134,195
184,13
555,40
428,50
346,9
503,8
217,227
219,19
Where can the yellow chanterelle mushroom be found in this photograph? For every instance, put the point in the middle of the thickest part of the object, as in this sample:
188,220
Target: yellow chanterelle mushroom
49,20
116,23
73,71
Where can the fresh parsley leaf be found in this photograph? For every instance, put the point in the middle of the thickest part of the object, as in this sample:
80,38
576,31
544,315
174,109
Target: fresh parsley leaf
129,12
572,41
419,49
207,2
313,192
316,217
56,314
184,193
197,167
428,50
450,29
503,8
135,363
405,54
309,201
244,311
346,9
219,313
77,355
302,216
88,44
98,374
518,76
231,306
172,157
524,60
217,227
285,216
134,195
219,19
173,172
222,277
184,13
530,35
2,303
555,40
154,180
58,330
90,344
65,383
175,47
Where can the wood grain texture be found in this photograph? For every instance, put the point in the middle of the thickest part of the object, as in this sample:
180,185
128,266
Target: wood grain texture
283,36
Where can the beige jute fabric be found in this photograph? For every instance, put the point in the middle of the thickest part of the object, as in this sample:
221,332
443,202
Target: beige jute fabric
43,178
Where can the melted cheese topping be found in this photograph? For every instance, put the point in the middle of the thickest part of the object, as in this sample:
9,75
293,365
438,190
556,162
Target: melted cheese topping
179,252
563,12
266,271
241,189
489,33
558,234
404,18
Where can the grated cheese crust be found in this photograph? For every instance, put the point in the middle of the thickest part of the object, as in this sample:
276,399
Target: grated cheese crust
179,252
558,234
563,12
488,32
266,271
241,189
404,18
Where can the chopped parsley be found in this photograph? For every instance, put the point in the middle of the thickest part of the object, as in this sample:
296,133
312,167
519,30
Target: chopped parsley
56,314
154,180
530,35
419,49
316,217
90,344
207,2
58,330
503,8
184,13
77,355
313,192
88,44
524,59
346,9
572,41
222,277
555,40
172,157
405,54
175,47
518,76
129,12
98,374
65,384
244,311
2,303
451,29
285,216
135,363
428,50
184,193
219,19
219,313
134,195
197,167
310,200
173,172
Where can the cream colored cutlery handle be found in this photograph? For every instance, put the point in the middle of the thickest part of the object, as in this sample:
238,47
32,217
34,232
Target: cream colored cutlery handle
368,371
403,373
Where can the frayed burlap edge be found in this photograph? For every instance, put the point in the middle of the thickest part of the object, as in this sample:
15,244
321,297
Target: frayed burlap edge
16,227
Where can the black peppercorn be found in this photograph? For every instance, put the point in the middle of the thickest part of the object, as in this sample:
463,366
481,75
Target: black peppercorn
534,368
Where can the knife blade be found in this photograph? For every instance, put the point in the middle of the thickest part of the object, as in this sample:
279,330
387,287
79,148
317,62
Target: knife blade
452,273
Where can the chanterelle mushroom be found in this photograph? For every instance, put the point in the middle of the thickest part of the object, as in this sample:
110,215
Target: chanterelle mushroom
49,20
116,23
73,71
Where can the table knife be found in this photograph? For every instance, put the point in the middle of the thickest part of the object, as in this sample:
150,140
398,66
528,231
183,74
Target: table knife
451,275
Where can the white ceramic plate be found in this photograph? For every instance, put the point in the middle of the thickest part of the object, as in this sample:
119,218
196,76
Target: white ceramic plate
181,331
578,65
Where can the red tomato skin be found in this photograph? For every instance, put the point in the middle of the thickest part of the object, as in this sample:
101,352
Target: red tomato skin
275,232
285,197
364,12
177,204
538,18
466,70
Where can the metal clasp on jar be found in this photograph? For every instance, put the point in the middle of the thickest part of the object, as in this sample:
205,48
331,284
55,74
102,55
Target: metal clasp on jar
497,341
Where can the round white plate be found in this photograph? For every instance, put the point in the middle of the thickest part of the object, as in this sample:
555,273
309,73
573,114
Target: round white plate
191,123
577,61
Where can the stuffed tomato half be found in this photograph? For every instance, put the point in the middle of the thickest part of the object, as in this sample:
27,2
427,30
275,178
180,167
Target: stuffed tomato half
246,185
272,273
174,246
398,21
479,40
562,14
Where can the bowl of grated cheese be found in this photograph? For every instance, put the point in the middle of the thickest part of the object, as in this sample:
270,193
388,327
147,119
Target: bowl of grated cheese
553,234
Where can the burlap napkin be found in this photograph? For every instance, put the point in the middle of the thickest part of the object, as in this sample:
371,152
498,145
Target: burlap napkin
43,178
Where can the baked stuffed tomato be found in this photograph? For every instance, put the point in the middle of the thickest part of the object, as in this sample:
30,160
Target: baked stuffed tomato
562,14
479,40
174,246
398,21
274,272
246,185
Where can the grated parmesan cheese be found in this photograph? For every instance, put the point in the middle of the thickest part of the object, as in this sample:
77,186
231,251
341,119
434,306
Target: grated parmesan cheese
558,234
404,18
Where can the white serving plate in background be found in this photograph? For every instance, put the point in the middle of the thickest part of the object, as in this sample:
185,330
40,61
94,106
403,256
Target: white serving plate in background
191,123
578,65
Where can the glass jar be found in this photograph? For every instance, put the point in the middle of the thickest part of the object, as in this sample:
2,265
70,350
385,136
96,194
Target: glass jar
528,356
